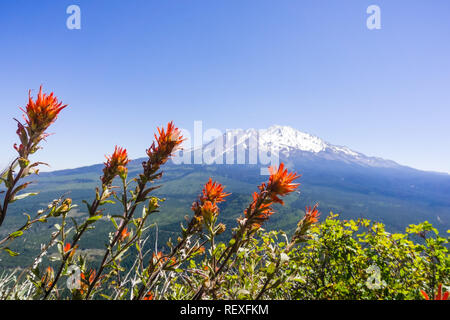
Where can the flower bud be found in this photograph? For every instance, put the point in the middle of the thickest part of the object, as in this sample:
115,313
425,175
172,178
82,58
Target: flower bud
220,228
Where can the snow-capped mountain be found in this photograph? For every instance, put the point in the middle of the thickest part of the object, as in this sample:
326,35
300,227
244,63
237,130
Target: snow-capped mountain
288,144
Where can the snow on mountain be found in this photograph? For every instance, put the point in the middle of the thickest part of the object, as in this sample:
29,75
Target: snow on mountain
289,144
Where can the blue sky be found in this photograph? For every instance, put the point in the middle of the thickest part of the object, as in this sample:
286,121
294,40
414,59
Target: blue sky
312,65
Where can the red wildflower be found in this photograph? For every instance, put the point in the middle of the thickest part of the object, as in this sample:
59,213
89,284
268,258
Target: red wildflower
213,192
124,234
159,259
206,206
260,210
208,210
311,215
48,277
156,258
42,112
87,280
115,165
439,295
67,248
280,183
167,141
201,249
148,296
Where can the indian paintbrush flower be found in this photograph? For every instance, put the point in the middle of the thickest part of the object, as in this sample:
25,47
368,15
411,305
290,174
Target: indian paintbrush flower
312,214
205,208
148,296
124,234
48,277
260,210
68,247
159,259
115,165
87,280
166,142
209,210
311,217
42,112
439,295
38,114
213,192
280,184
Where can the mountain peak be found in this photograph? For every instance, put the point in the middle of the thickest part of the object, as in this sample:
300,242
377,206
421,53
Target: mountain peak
290,143
286,138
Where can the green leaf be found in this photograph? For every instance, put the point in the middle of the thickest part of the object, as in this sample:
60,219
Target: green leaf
271,268
21,187
16,234
118,216
9,179
114,222
4,175
93,219
87,205
23,196
75,223
106,201
10,252
242,293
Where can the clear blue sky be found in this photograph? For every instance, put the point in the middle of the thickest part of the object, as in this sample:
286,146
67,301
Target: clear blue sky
312,65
